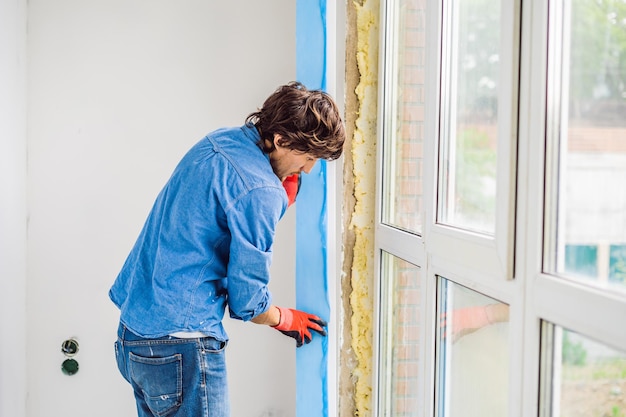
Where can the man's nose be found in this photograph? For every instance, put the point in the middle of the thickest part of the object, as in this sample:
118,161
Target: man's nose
308,166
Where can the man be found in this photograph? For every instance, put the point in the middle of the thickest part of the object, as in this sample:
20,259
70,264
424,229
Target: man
206,245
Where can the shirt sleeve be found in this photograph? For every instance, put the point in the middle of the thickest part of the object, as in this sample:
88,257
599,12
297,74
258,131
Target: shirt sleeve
252,222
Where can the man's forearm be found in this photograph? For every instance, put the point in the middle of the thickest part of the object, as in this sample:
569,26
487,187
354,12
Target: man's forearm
270,318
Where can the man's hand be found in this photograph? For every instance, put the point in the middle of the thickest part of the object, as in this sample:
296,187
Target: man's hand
297,324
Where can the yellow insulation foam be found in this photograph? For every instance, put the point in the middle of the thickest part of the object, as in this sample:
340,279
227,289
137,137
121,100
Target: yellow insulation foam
362,221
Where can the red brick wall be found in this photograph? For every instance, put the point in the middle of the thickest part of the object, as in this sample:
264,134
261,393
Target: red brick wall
409,141
405,349
410,118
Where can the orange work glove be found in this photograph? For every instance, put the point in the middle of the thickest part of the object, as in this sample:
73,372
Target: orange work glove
297,324
292,186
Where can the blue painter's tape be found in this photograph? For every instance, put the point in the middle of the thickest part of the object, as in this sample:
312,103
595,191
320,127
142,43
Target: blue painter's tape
312,292
311,261
311,43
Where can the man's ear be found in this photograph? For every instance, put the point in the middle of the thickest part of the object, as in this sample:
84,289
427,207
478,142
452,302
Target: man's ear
278,140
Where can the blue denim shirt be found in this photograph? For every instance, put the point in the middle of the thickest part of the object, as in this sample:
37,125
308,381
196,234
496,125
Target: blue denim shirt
207,242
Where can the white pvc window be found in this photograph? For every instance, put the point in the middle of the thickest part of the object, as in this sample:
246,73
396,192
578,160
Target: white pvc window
520,205
587,201
473,355
477,129
400,255
400,336
402,171
581,294
469,149
584,376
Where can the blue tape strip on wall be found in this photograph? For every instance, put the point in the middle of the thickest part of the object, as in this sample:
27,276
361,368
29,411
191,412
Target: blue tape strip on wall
311,271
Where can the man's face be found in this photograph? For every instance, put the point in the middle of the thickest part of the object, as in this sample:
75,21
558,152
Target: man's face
286,162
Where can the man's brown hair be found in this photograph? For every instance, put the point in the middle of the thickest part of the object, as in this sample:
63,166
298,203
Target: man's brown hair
307,121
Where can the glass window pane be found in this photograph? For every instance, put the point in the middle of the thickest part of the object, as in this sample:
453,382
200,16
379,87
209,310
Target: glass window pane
588,378
473,366
617,264
591,206
403,140
401,342
470,115
581,260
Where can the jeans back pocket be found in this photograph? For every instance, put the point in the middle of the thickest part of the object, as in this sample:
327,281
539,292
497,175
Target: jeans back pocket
160,380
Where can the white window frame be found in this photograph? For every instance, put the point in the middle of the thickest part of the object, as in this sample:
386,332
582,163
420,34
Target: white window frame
514,272
492,255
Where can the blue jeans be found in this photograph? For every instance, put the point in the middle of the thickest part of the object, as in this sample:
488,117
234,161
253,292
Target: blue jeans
174,377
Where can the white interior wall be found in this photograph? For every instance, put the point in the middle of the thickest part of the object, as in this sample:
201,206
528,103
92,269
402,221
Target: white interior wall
12,207
117,92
